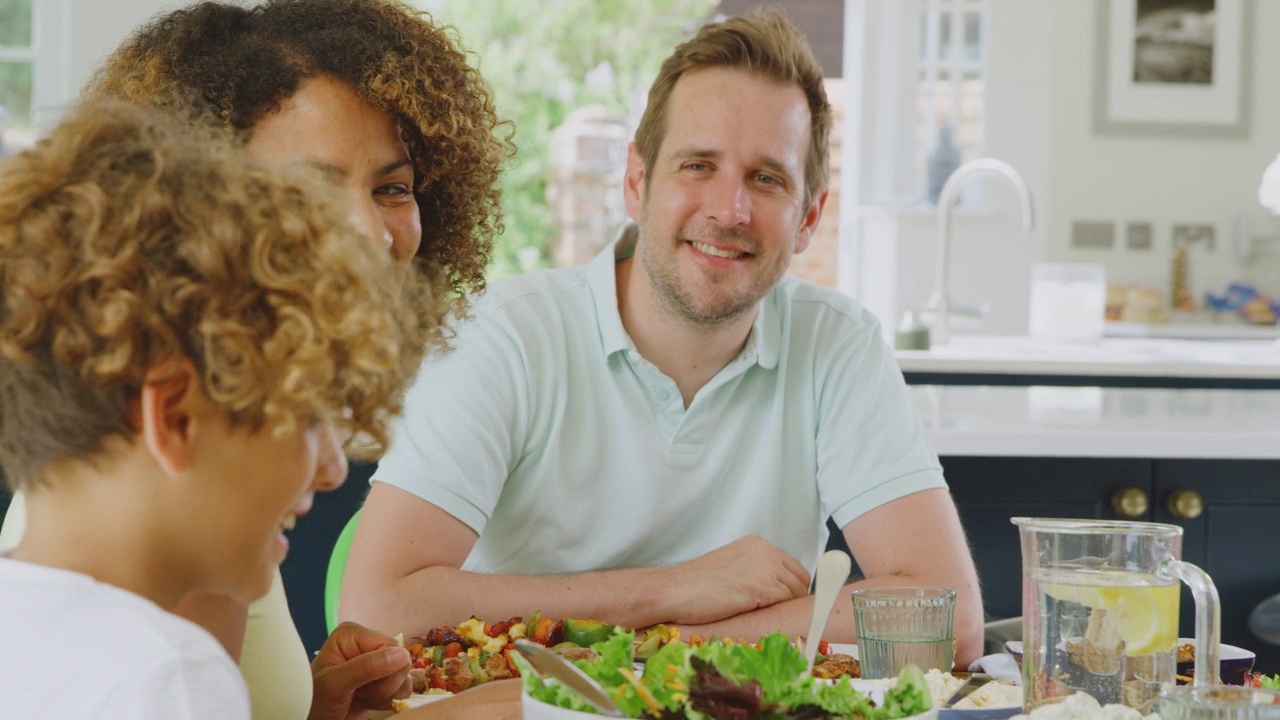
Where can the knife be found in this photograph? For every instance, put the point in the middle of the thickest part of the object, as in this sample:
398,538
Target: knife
549,662
975,681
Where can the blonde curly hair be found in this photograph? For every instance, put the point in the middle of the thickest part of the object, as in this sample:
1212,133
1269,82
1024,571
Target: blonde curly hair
130,240
237,65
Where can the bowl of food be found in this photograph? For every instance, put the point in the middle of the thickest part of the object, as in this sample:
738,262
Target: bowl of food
1234,663
755,681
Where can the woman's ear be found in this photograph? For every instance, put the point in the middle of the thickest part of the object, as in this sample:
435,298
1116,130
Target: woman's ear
169,406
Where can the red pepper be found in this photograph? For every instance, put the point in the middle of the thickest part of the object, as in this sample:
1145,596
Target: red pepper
453,649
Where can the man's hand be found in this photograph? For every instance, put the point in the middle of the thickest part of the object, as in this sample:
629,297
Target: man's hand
357,670
747,574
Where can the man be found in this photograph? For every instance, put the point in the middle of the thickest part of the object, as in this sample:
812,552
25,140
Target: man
659,436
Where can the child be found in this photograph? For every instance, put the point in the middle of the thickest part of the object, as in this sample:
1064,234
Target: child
186,343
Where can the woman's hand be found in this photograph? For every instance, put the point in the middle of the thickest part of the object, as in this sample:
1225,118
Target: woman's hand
356,671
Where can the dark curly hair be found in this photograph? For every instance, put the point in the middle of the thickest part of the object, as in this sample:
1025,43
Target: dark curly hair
239,64
130,239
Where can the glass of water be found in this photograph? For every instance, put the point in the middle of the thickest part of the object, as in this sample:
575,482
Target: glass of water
901,625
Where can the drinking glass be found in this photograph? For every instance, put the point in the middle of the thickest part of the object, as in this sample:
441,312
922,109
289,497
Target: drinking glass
901,625
1224,702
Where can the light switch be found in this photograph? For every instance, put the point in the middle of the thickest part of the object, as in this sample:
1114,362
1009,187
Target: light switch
1189,234
1093,234
1138,236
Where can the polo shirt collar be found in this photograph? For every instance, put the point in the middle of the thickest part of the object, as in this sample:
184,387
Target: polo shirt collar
602,278
763,344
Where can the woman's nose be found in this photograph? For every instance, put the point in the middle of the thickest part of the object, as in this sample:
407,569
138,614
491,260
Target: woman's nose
367,219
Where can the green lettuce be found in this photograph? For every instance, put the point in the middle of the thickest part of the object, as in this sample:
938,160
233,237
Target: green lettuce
1270,682
777,666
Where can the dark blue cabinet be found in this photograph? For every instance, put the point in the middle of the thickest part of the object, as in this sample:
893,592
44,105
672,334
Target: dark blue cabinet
1235,536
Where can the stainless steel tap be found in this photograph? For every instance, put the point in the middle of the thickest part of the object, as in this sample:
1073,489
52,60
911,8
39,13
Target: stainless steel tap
940,301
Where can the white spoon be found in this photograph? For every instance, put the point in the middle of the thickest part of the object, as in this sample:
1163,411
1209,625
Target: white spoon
831,575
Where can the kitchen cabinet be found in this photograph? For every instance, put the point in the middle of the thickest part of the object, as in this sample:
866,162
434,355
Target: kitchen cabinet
1233,536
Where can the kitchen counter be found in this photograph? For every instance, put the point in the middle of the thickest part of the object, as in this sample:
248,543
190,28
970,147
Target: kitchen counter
1040,421
1254,363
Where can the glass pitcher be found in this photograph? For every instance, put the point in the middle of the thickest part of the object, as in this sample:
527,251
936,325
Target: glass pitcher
1100,611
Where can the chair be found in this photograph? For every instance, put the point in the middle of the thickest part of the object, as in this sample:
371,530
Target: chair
336,569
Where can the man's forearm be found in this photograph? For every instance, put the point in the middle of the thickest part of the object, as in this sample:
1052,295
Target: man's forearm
436,596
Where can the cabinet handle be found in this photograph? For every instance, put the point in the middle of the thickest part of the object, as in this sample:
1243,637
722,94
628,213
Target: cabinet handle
1185,504
1130,502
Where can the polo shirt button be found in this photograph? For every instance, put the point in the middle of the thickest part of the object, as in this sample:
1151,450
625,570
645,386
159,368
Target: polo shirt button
661,393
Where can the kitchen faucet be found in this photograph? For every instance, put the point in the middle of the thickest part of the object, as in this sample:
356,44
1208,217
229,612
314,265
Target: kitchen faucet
940,302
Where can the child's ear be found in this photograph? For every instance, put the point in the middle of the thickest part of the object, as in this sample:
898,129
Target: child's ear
168,409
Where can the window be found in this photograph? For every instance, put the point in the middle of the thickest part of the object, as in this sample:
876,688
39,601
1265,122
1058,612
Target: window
950,79
17,73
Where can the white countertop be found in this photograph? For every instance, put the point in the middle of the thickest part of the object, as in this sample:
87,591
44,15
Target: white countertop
1100,422
1124,357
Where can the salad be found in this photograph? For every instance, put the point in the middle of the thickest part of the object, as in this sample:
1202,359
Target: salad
717,680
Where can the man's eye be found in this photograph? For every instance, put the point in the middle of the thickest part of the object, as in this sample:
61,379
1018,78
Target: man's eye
766,179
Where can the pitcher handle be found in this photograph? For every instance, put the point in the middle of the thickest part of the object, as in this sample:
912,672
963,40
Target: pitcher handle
1208,618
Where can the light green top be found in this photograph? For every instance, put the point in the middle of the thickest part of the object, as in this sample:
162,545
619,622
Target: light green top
547,433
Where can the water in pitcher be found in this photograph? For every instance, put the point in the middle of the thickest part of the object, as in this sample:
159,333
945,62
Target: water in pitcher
1107,632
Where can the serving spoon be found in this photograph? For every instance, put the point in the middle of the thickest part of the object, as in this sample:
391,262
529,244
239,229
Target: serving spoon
549,662
831,575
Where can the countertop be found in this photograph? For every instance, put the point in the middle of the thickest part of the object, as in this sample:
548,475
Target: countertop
1115,357
1042,421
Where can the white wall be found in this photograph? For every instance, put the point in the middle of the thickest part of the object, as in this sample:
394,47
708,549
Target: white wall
1162,179
77,37
1039,105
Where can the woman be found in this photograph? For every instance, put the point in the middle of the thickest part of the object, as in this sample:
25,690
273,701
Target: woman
383,103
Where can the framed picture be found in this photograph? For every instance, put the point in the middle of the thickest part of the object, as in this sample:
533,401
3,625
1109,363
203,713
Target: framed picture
1173,67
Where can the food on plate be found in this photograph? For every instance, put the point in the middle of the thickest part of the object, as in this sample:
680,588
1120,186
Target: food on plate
1082,706
993,694
722,680
832,666
450,659
1258,680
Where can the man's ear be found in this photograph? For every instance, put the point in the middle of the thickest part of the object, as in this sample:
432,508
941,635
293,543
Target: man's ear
168,409
809,223
633,183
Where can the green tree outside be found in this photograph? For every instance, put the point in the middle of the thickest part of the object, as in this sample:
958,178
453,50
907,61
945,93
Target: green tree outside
545,59
15,76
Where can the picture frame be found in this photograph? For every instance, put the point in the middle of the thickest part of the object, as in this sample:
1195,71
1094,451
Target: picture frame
1174,67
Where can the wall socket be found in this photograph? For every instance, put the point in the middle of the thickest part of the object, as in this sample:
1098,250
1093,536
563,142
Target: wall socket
1093,234
1189,234
1138,236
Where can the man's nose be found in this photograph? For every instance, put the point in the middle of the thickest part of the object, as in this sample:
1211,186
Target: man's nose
730,202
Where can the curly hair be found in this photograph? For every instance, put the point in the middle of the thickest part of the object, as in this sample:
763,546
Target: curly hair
763,43
238,64
130,240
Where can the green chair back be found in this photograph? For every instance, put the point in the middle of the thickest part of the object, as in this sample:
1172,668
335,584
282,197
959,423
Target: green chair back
337,567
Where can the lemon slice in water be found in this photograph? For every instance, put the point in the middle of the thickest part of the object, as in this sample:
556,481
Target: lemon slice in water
1147,616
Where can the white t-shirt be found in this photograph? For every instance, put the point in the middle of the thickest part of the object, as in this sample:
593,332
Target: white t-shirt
72,647
547,433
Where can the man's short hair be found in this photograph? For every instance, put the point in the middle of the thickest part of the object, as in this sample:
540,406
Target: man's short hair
763,43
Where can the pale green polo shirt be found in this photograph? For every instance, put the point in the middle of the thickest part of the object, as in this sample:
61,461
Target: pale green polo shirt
566,451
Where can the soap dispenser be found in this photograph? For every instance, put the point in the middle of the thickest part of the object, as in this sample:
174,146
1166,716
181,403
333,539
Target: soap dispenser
911,334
